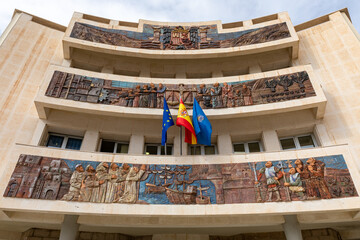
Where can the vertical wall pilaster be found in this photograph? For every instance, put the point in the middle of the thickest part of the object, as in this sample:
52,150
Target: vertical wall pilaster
69,228
136,145
90,141
270,140
292,228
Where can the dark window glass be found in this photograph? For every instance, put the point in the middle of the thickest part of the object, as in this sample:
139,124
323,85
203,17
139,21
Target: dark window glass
107,146
240,147
151,150
55,141
168,150
209,150
306,142
254,147
73,143
195,150
122,148
287,143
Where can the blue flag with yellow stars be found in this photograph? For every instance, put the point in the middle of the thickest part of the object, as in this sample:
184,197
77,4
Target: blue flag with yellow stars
167,122
202,125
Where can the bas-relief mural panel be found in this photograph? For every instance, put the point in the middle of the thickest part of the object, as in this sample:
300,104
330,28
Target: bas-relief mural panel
225,95
180,37
316,178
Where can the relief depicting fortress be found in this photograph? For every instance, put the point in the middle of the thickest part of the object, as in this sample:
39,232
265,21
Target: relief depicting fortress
87,181
180,37
148,95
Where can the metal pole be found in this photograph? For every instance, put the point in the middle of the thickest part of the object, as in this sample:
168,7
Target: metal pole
180,141
165,149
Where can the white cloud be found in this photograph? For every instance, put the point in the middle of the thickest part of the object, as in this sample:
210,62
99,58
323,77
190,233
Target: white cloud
182,11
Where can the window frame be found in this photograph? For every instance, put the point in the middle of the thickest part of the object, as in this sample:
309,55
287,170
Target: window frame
115,146
246,147
158,145
202,149
65,141
297,143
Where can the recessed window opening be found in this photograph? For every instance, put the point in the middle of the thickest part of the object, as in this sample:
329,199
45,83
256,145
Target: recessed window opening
247,147
64,141
158,149
298,142
202,150
110,146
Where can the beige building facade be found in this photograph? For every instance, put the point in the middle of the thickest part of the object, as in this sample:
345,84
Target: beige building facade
81,122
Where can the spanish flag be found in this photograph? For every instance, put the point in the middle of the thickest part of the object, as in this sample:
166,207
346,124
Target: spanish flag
183,119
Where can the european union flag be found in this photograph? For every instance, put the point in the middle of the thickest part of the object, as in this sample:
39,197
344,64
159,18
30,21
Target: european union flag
167,122
202,125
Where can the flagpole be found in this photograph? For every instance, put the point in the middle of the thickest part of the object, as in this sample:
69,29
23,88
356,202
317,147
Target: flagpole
180,141
165,149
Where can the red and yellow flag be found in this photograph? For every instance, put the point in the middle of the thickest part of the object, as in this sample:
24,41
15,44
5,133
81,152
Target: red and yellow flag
183,119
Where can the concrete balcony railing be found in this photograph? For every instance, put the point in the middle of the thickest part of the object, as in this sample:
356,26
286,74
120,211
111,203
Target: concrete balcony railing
149,39
226,182
284,90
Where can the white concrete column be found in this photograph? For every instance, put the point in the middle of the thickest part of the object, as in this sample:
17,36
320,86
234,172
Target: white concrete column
322,135
271,141
224,144
38,133
69,228
247,23
90,141
292,228
136,145
177,144
217,73
108,69
254,68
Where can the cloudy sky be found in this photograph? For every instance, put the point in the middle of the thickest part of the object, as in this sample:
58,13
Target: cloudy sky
60,11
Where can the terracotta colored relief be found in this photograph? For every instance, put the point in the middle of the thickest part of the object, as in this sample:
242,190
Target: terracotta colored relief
225,95
180,37
87,181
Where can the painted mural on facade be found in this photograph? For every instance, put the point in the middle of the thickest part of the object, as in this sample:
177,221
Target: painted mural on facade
149,95
48,178
179,37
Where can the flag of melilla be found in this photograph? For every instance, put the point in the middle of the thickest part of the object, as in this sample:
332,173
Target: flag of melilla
183,119
167,122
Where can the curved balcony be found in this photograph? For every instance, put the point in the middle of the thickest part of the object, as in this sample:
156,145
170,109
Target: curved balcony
226,183
149,39
271,92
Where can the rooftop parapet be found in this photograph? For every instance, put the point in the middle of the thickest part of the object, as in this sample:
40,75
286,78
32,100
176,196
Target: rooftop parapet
149,39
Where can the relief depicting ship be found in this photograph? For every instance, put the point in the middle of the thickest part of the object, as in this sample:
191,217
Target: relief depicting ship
201,199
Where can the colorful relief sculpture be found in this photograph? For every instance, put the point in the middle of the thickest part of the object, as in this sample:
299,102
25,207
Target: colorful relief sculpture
179,37
225,95
48,178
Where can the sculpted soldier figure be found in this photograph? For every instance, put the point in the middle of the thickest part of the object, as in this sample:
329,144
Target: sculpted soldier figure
272,174
88,184
317,182
136,101
160,95
75,184
130,98
246,93
152,96
112,183
102,176
144,97
131,191
216,95
204,96
295,184
227,95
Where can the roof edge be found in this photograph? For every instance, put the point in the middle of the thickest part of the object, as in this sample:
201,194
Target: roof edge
319,20
42,21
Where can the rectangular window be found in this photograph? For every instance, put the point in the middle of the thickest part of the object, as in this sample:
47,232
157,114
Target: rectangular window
247,147
110,146
157,149
202,150
298,142
64,141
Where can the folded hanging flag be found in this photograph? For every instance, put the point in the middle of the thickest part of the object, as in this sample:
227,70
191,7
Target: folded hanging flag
183,119
201,125
167,122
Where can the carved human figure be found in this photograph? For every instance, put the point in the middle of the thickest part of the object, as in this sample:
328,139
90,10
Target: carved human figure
295,184
238,98
227,95
75,184
272,174
152,96
216,96
130,98
121,177
123,97
131,192
144,97
137,92
317,182
112,183
88,184
204,96
160,95
102,176
246,93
